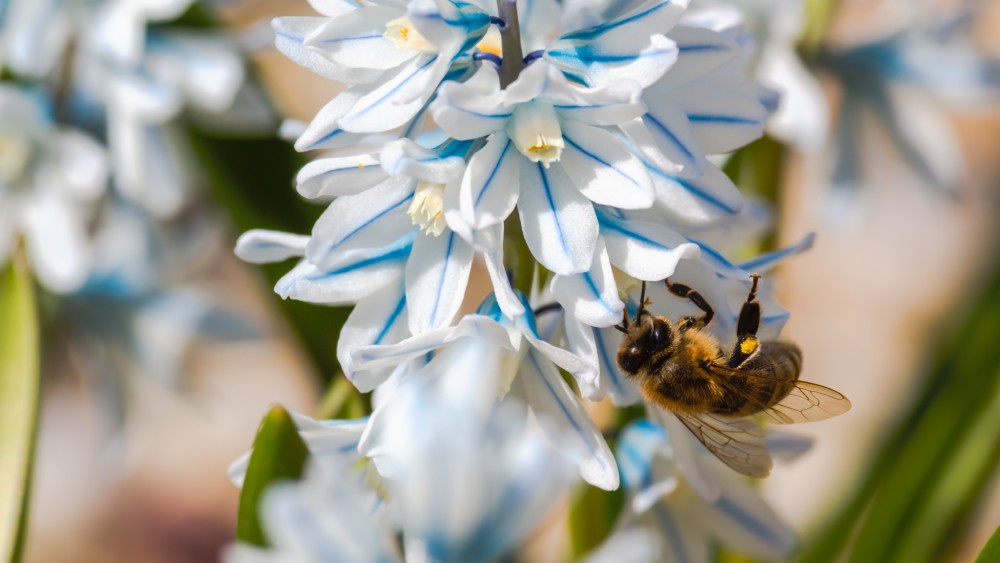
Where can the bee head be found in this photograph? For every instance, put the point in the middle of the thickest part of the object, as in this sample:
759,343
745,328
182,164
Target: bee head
647,337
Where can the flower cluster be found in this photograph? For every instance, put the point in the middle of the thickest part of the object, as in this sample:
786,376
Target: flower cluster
597,122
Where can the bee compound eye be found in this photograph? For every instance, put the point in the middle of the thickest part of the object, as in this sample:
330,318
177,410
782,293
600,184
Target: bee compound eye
660,334
631,359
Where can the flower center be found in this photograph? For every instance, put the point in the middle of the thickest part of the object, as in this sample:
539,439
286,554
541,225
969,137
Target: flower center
404,36
534,128
427,209
15,152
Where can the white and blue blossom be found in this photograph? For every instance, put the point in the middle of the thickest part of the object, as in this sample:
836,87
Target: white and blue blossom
50,177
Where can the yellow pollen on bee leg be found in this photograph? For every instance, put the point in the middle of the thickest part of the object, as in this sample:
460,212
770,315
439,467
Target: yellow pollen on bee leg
748,346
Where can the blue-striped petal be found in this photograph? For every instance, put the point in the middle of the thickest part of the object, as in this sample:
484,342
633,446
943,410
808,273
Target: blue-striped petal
436,276
260,246
673,135
471,109
614,382
356,40
701,50
348,282
592,296
289,36
379,319
645,251
562,417
696,201
619,55
603,169
559,223
722,119
357,226
490,187
328,177
387,104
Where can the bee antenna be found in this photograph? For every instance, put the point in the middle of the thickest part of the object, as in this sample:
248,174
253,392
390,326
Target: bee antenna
620,328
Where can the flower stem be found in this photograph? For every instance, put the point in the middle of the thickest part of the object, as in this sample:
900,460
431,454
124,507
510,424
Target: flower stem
510,42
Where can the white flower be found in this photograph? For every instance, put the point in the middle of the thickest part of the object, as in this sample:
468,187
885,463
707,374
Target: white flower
393,53
549,154
463,478
690,500
49,177
379,249
528,370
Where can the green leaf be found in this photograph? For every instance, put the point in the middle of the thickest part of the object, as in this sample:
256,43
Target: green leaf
19,373
278,453
342,400
927,480
592,516
991,551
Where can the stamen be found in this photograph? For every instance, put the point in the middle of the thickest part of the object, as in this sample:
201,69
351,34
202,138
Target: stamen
481,56
533,56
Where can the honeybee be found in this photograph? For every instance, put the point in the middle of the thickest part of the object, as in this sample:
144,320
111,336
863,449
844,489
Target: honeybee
683,369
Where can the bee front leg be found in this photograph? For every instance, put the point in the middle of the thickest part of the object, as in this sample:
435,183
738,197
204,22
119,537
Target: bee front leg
682,290
747,343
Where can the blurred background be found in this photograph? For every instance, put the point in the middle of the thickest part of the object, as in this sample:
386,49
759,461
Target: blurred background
152,385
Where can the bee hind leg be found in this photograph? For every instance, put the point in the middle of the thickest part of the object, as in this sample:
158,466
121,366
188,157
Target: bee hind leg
693,296
747,343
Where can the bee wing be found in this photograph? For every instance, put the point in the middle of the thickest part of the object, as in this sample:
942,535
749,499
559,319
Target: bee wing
808,402
738,442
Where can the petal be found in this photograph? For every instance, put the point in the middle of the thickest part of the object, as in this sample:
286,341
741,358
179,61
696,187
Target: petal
333,8
372,357
787,446
700,478
674,137
471,109
562,417
348,282
610,104
386,105
436,276
289,36
378,319
260,246
323,131
619,388
559,223
765,262
741,517
580,340
603,168
82,163
490,185
591,297
360,225
701,51
326,177
645,251
450,26
723,120
696,201
621,54
405,157
490,242
356,40
57,242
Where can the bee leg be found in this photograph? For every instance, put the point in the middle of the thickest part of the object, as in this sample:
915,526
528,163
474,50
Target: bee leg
747,343
682,290
623,326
